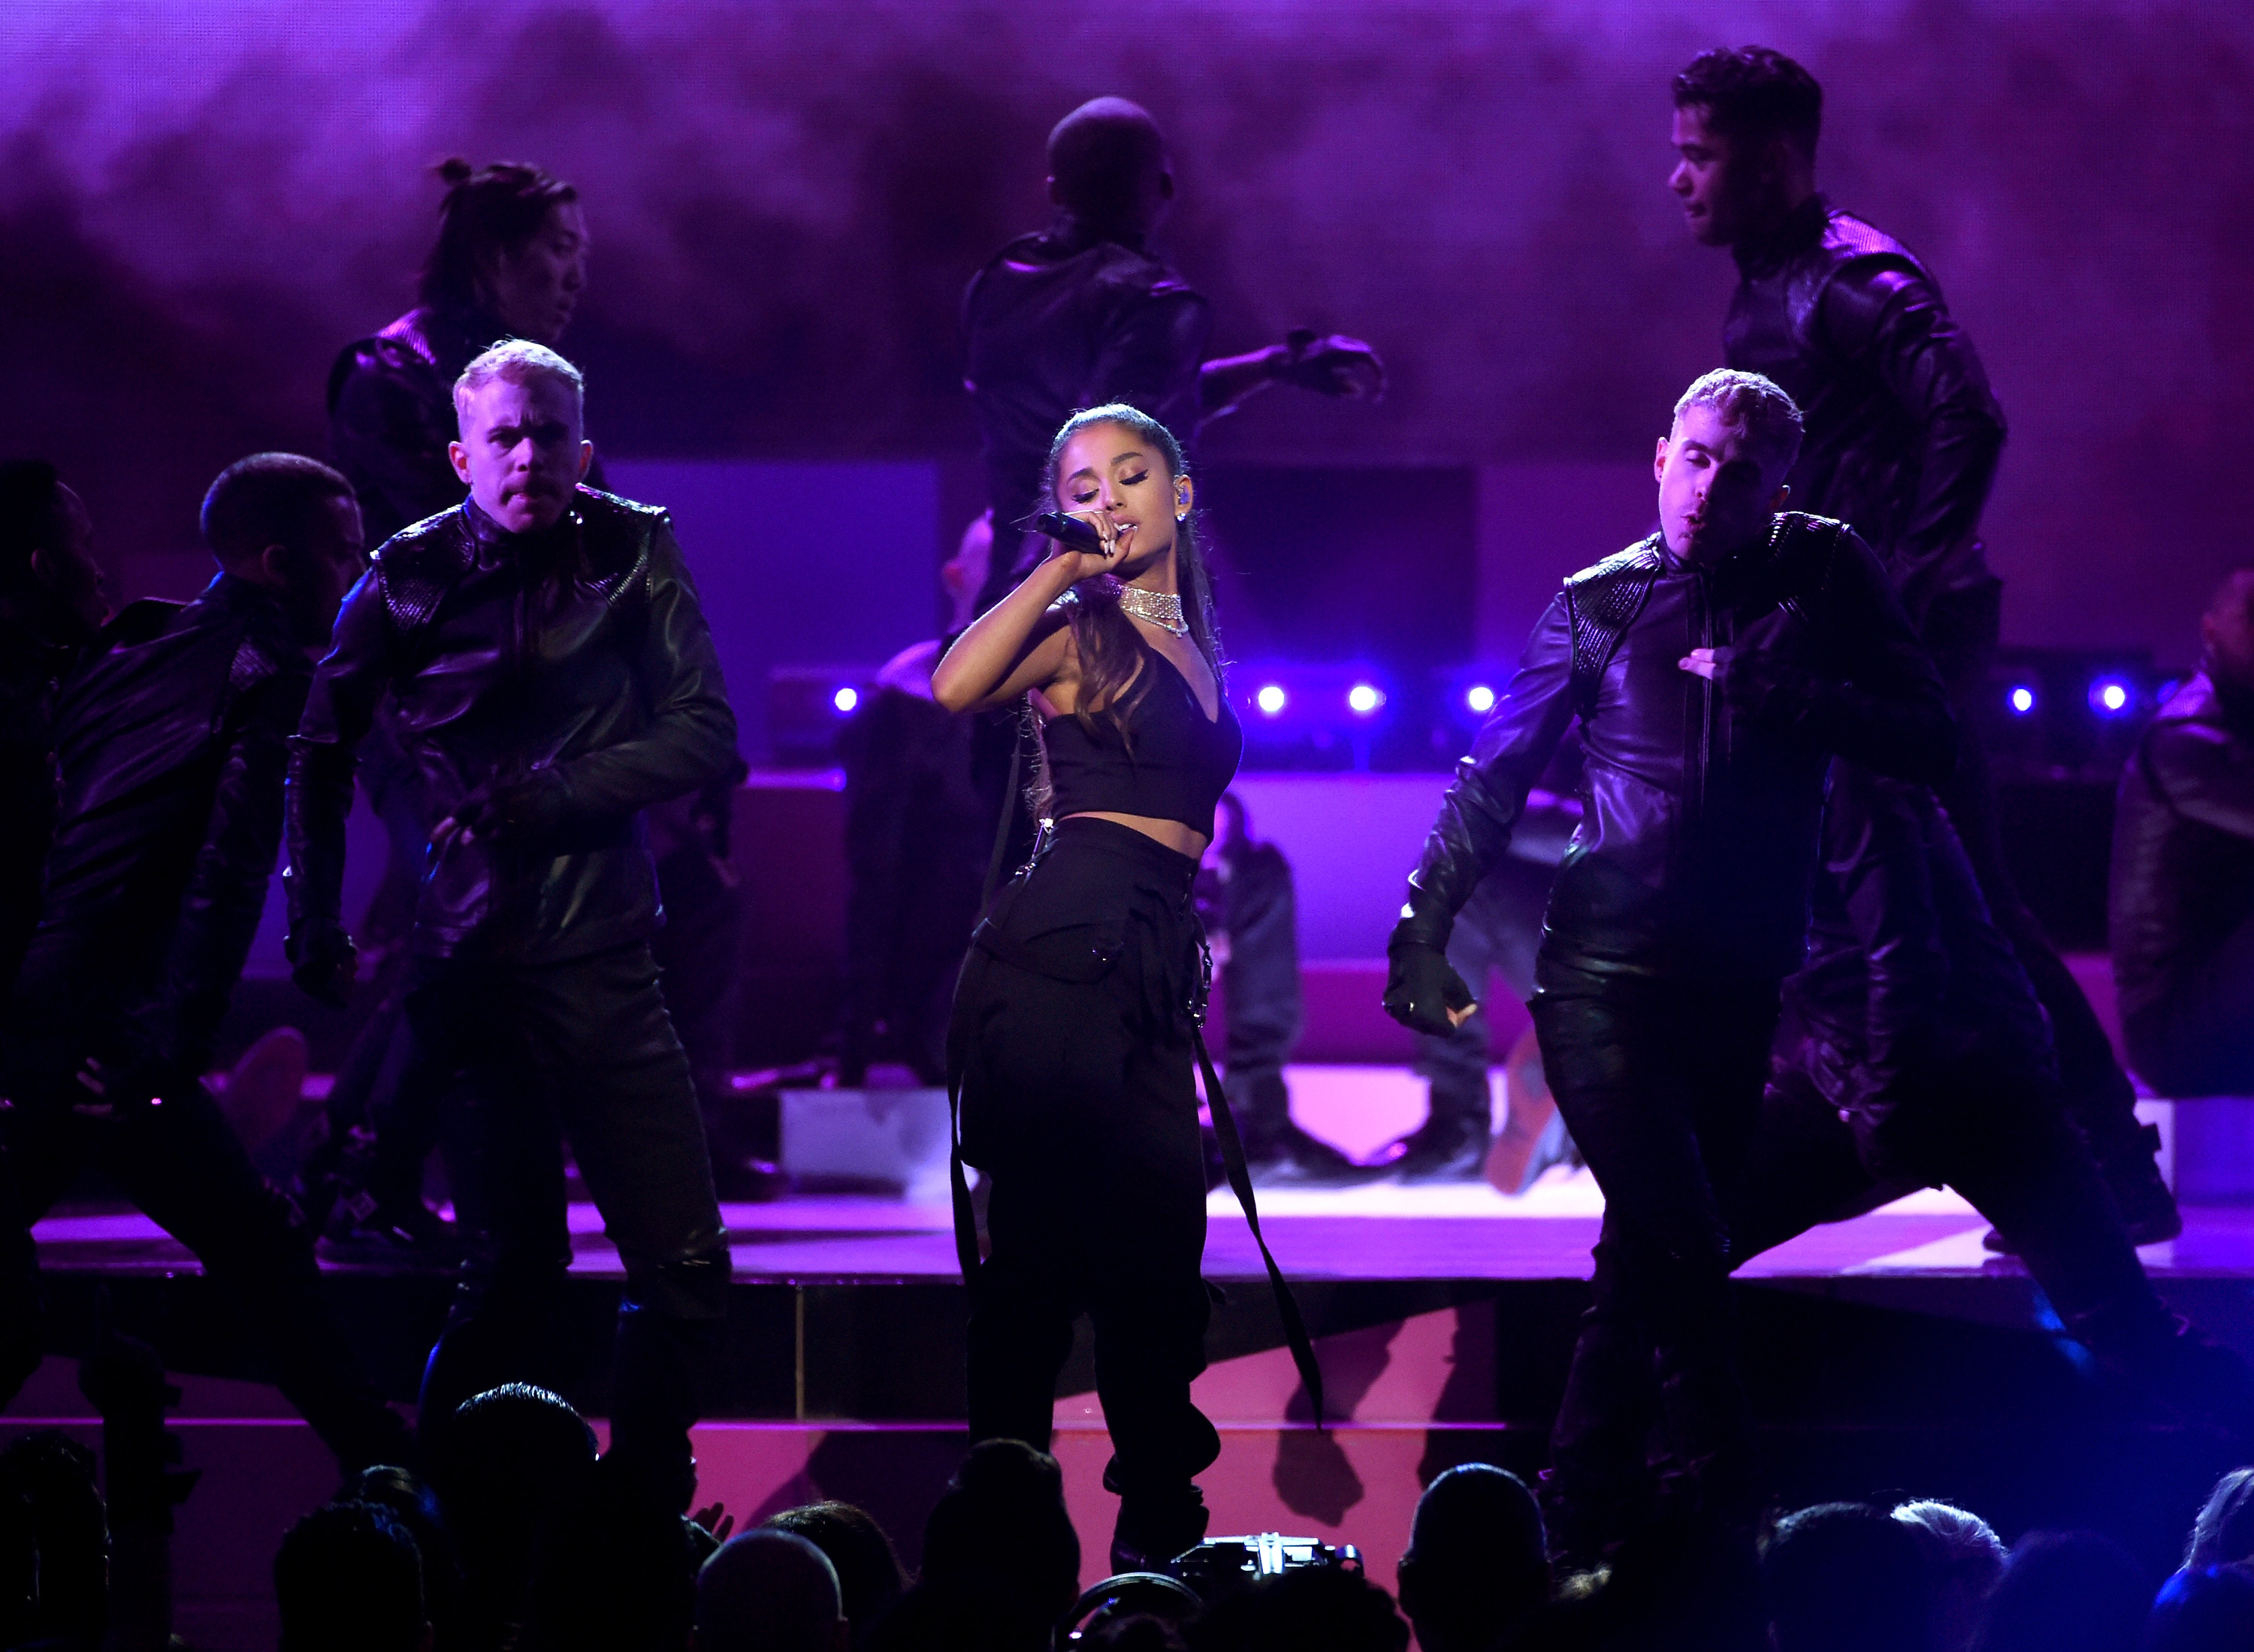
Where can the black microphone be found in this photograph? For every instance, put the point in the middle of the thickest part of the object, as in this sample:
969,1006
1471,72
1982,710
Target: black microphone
1068,530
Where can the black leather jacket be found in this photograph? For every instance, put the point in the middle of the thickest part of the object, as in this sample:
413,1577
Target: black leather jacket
1903,434
171,741
2183,845
30,665
1905,968
1700,798
1065,321
391,414
571,668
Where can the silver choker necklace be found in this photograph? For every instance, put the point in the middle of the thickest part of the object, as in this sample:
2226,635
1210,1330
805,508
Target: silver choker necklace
1162,608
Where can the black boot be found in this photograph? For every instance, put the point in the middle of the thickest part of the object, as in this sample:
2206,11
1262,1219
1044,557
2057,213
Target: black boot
1438,1150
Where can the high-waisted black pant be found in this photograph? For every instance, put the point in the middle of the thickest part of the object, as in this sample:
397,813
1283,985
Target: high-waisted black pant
1073,1030
580,1050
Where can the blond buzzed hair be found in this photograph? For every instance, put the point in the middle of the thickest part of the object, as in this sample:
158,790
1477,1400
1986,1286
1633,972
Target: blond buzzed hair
1757,406
519,362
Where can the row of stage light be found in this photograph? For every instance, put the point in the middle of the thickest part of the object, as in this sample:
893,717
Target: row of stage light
2050,708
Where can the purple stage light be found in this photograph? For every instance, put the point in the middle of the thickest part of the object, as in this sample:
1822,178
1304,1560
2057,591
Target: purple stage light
1363,699
1272,699
1481,698
2021,699
2109,696
845,699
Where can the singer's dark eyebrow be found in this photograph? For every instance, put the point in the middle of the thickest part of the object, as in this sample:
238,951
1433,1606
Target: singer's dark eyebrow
1131,453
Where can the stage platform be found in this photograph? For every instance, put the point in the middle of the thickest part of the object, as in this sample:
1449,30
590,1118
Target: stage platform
1889,1353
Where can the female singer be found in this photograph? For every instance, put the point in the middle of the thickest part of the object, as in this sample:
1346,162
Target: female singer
1073,1020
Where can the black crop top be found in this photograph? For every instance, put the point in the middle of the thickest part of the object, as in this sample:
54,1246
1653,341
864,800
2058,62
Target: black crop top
1179,767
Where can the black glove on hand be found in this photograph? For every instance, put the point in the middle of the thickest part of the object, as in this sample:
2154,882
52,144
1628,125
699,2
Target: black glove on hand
1421,987
323,962
1330,365
1762,687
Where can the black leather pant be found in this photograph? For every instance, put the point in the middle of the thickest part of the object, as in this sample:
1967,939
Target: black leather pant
1496,933
582,1051
178,1159
1660,1081
2199,1039
1961,629
1079,1105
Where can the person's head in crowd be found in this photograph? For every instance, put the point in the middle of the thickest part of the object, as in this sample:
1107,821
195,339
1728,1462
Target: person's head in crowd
1478,1563
768,1591
1846,1578
1108,167
2210,1610
521,447
349,1579
869,1578
1746,121
2226,631
1965,1556
512,249
411,1503
289,525
1309,1609
2068,1591
505,1465
49,580
1001,1525
1138,1632
61,1529
615,1565
2225,1529
1722,463
963,575
954,1616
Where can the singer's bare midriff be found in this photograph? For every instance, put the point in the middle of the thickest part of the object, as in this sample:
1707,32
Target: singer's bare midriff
1183,840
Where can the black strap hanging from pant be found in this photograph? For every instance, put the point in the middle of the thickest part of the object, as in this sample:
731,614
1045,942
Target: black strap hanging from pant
1240,1182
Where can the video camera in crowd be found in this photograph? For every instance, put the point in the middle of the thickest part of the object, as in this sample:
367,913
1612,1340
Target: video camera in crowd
1201,1576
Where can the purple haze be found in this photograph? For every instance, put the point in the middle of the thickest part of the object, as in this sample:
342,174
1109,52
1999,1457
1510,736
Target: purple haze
200,200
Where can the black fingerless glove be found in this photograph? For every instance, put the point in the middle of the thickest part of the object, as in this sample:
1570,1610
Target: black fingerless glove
1421,987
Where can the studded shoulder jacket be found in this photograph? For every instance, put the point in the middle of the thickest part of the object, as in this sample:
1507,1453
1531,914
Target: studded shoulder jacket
578,656
1701,798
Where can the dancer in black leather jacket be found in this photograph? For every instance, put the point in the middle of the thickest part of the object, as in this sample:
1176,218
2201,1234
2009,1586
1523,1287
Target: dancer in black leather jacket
1715,669
1084,314
171,743
51,606
510,262
2183,871
552,676
1904,435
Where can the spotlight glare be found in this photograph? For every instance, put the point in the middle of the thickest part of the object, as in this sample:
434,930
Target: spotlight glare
1272,699
1481,698
845,699
2021,700
2109,696
1362,699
